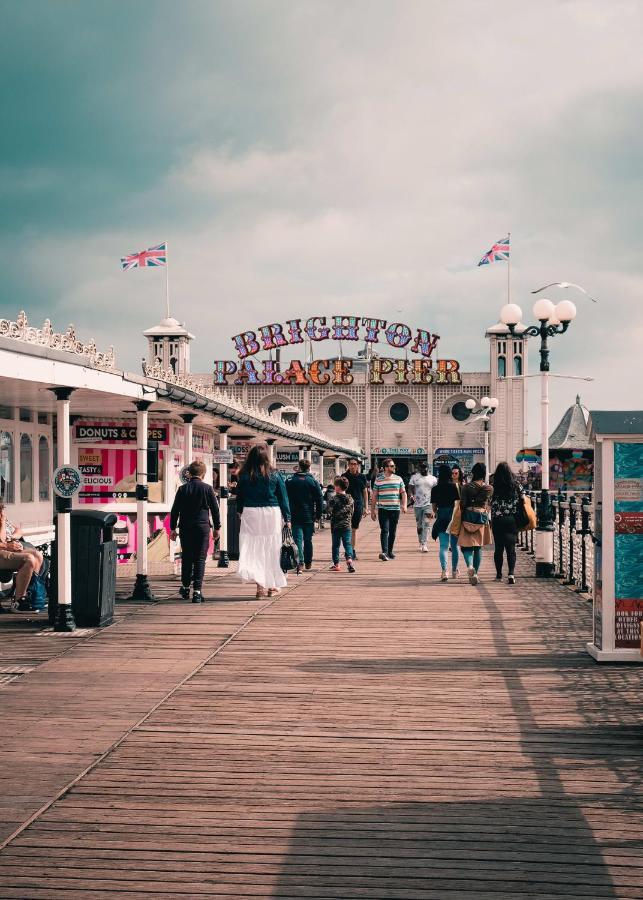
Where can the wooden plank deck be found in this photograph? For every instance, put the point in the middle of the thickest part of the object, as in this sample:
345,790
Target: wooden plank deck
375,735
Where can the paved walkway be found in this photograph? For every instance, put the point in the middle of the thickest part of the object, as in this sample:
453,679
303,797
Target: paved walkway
376,735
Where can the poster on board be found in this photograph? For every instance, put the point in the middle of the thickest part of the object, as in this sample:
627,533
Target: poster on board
628,543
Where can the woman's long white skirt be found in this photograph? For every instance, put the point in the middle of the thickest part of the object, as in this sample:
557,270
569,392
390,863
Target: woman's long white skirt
260,546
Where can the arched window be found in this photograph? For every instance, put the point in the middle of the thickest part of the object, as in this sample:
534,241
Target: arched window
502,367
26,469
275,406
6,467
43,469
517,365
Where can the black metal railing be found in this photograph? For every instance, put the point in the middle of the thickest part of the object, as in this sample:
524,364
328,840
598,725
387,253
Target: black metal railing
573,539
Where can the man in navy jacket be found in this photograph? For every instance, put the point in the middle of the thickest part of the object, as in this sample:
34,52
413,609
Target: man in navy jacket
305,497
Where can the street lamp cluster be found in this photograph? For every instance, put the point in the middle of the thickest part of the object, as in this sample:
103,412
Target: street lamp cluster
552,320
483,413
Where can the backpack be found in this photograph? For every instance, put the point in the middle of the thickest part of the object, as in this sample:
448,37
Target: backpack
37,595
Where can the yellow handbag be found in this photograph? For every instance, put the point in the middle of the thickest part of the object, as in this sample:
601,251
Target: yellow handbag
530,513
456,521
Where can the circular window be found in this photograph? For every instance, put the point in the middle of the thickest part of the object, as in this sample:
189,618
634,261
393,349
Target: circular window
274,407
337,412
399,412
460,412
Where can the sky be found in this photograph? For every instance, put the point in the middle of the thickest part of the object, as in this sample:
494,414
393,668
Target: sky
320,158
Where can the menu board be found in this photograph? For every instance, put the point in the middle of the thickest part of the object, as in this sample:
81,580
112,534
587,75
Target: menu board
628,543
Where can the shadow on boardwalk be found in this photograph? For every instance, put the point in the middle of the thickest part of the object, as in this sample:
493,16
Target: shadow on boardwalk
526,848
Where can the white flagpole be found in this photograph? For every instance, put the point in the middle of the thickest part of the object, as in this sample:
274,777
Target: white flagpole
509,270
167,280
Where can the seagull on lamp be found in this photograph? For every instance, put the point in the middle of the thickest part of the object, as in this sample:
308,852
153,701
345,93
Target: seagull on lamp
565,284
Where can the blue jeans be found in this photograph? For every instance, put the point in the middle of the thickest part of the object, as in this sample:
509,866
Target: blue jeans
422,523
472,556
448,541
341,536
302,535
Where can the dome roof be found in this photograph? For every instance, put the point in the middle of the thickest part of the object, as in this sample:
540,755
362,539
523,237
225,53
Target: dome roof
169,327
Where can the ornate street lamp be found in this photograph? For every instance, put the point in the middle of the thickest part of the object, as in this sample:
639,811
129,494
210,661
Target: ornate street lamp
488,406
552,320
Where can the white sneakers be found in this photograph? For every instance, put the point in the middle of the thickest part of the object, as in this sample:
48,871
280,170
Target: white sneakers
424,548
473,578
444,576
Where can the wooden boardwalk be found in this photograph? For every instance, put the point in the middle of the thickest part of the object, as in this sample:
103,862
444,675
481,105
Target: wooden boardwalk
378,735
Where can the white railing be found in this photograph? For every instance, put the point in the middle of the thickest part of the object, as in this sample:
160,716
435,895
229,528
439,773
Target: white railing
21,330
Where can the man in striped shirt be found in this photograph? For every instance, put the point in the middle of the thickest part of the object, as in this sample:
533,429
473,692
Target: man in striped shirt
389,499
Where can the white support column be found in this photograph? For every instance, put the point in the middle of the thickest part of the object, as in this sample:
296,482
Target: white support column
309,453
64,620
338,467
302,452
272,451
142,590
188,418
224,559
544,536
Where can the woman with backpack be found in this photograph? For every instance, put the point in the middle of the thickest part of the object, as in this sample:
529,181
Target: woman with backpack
262,502
507,500
475,530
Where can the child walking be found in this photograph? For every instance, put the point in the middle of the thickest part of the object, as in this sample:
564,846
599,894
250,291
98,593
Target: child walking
341,507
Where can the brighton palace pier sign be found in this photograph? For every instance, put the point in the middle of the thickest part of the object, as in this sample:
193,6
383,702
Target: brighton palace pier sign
421,370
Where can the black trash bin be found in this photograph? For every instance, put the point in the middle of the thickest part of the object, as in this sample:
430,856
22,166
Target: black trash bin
233,529
93,568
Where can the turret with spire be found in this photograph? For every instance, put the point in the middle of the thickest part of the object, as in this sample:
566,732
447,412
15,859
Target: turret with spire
169,346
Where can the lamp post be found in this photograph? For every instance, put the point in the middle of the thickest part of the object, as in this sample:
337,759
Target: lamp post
483,413
552,320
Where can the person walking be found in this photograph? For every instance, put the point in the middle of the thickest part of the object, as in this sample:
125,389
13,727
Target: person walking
508,496
193,505
389,499
262,502
420,486
358,490
305,499
342,507
444,497
475,531
458,478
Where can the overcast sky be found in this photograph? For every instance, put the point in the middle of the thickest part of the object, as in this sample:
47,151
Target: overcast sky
307,158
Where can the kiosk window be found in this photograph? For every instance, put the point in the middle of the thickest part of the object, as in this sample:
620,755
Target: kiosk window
26,469
43,469
6,467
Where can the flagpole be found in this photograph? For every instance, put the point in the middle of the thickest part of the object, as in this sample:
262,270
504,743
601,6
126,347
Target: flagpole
509,269
167,280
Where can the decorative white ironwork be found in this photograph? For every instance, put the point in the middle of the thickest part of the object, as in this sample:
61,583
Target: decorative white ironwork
298,432
21,330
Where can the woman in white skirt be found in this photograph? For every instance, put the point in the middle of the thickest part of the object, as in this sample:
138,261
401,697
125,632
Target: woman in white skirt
262,502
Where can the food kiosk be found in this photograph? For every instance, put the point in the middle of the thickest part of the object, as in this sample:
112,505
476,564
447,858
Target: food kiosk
618,532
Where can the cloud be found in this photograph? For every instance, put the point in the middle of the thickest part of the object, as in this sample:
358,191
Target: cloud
328,158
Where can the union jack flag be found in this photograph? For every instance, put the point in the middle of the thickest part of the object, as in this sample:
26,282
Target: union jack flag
498,252
155,256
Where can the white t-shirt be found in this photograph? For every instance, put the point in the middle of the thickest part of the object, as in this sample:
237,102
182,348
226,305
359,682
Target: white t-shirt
422,485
